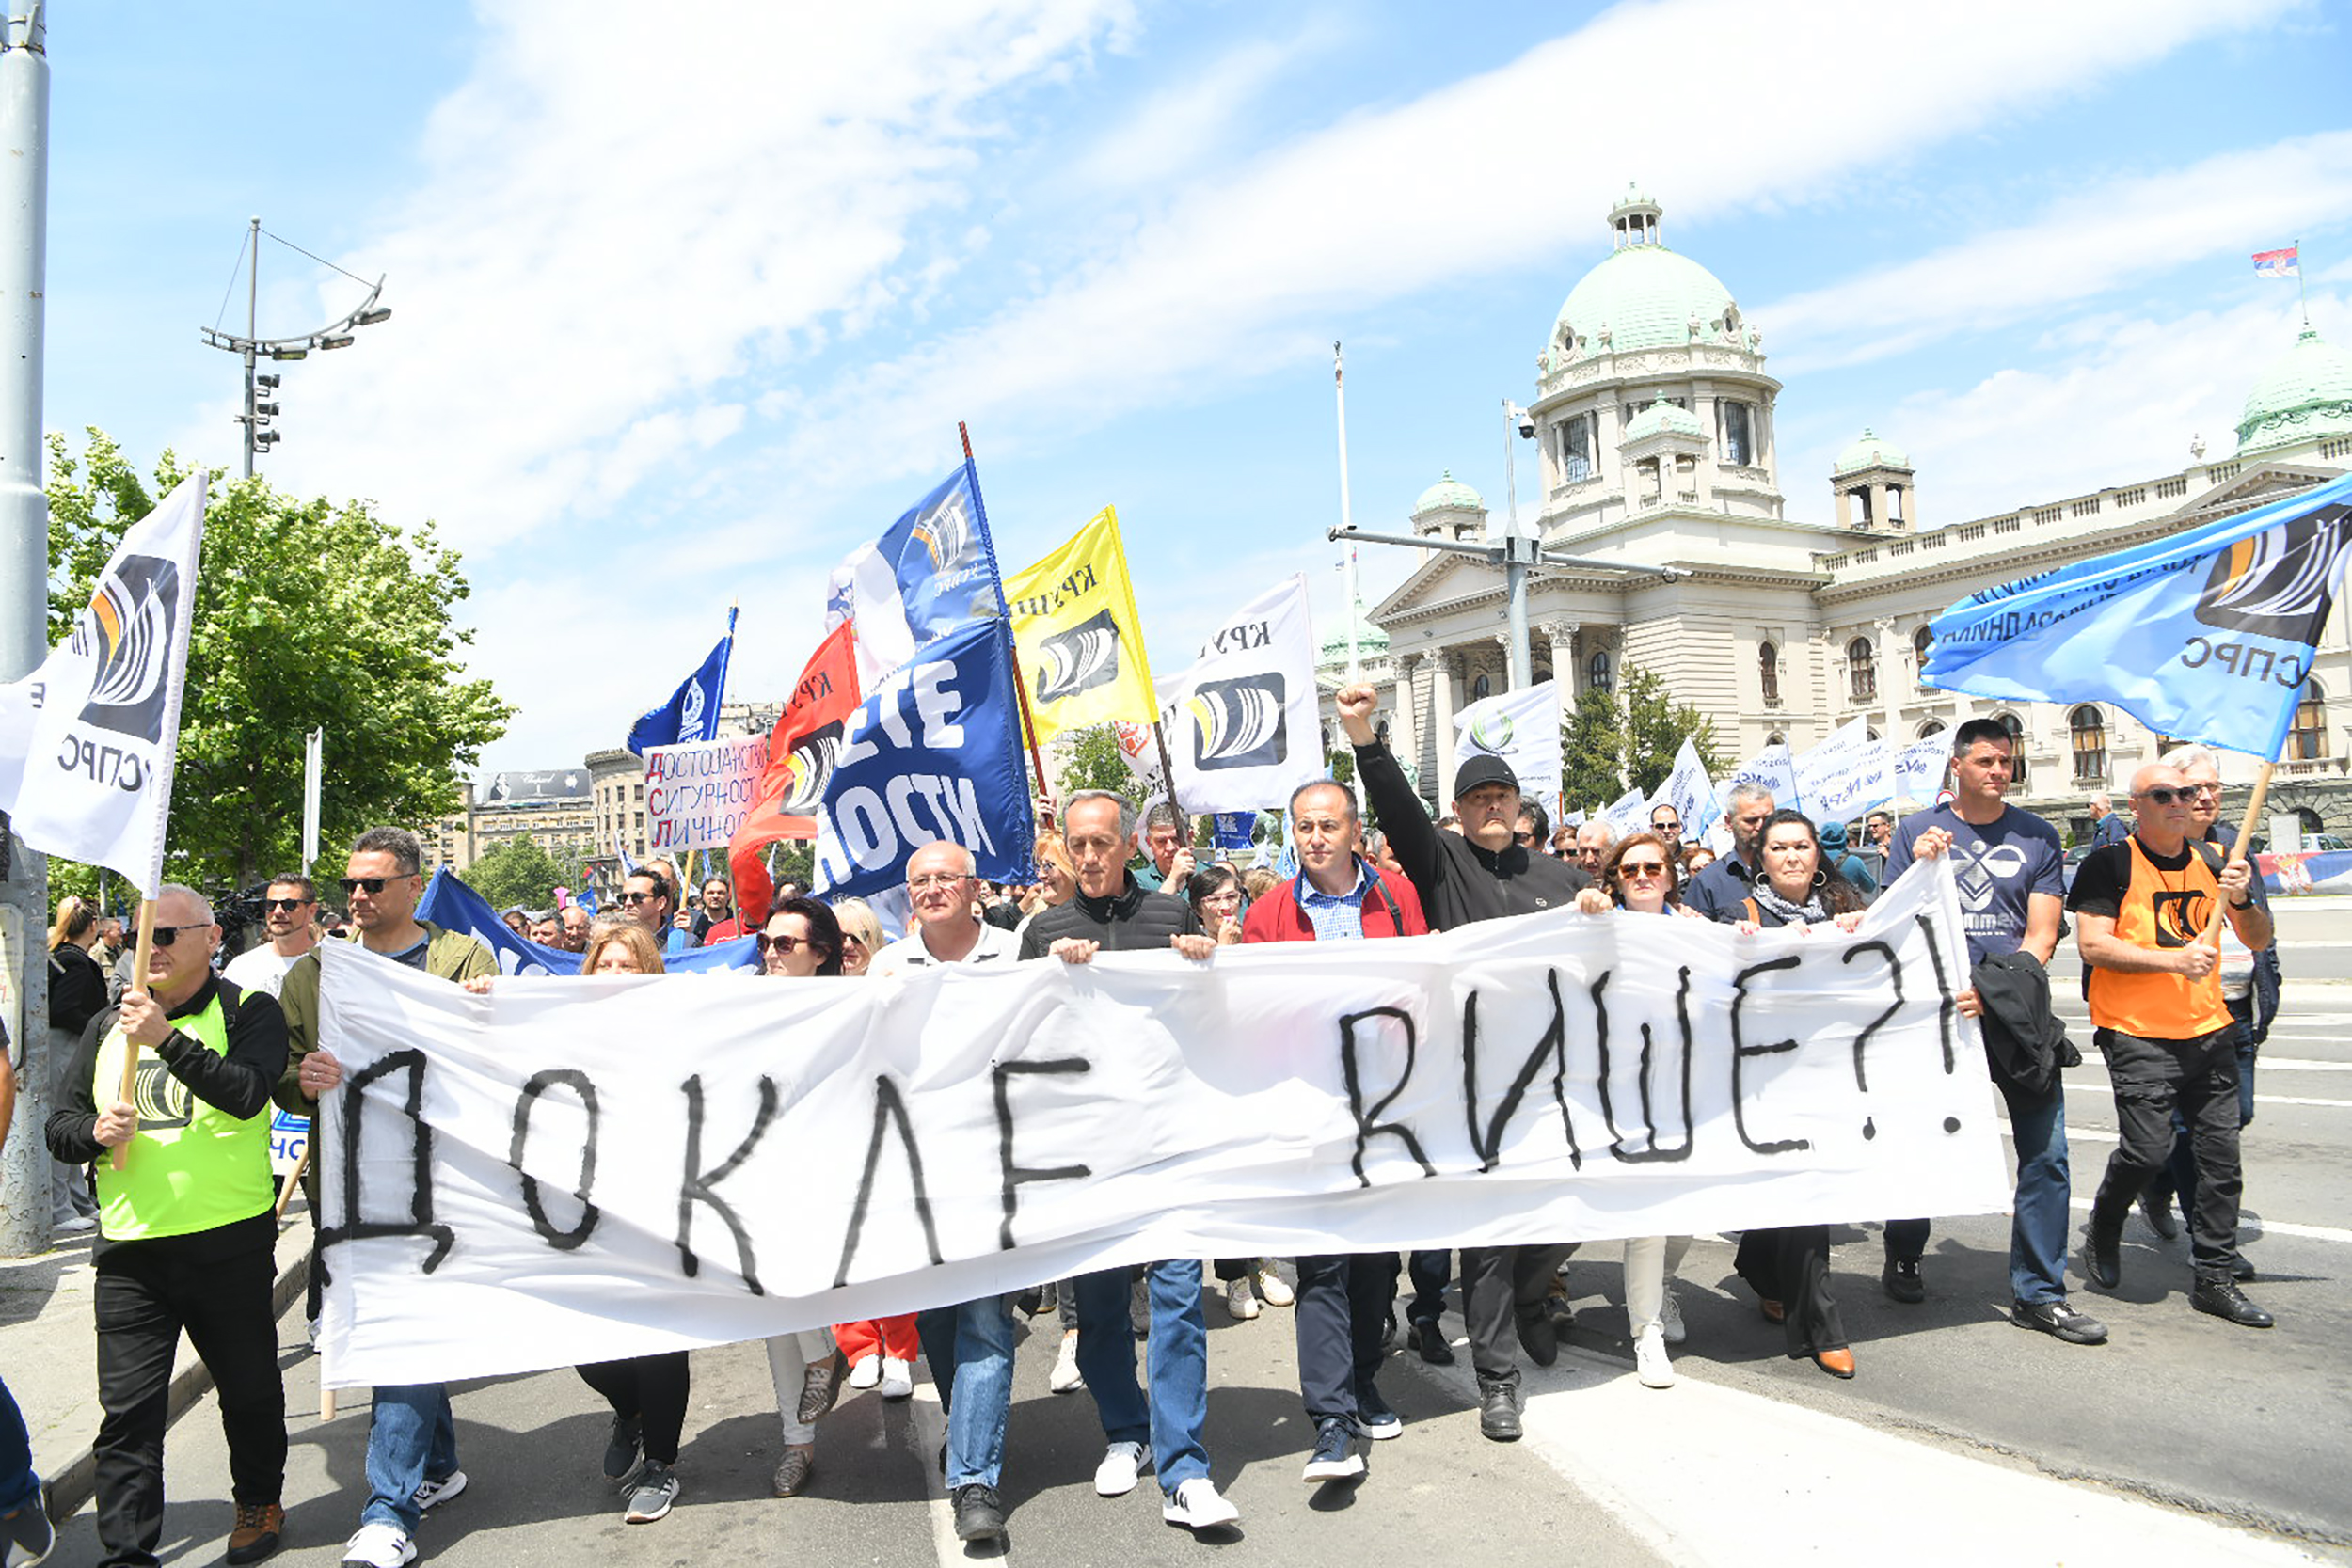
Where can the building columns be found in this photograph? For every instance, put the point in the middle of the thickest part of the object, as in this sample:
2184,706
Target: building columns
1405,735
1443,663
1892,678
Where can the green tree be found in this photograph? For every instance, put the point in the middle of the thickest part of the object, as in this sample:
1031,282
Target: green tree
307,614
1592,743
1655,727
520,871
1095,762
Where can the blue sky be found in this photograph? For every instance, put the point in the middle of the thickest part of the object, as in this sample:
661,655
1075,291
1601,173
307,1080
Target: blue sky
689,299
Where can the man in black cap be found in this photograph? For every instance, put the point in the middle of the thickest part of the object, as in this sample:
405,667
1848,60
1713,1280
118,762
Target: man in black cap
1481,873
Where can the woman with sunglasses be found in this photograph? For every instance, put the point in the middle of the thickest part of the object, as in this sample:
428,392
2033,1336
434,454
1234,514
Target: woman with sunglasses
1789,1266
1639,878
861,935
1057,877
801,941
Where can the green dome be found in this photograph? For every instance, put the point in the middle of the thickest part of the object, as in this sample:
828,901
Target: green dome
1371,641
1448,491
2305,395
1869,452
1664,417
1646,296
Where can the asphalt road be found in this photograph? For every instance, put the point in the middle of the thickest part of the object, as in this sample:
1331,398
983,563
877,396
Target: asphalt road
2180,1422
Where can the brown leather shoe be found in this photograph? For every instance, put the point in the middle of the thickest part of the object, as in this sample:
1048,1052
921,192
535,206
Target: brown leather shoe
1837,1363
255,1534
1772,1310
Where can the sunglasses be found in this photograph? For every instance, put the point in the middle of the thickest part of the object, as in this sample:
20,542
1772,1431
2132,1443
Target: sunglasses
2166,797
165,935
1641,868
787,943
288,903
641,898
374,884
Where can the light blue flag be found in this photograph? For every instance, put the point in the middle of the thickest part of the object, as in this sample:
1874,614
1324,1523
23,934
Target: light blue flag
2206,635
693,711
451,905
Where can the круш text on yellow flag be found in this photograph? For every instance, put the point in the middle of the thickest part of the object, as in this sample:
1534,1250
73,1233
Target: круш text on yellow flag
1075,633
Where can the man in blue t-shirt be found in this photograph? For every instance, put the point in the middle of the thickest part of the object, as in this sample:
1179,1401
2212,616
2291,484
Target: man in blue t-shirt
2008,865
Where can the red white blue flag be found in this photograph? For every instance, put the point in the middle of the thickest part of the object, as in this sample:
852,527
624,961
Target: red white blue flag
2277,263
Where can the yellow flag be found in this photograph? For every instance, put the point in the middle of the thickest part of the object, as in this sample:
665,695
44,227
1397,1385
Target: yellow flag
1074,628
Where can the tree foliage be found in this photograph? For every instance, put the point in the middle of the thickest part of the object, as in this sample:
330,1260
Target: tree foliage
1095,762
520,871
1655,727
1592,746
307,614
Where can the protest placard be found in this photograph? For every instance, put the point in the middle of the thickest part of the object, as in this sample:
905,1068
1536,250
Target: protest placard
696,795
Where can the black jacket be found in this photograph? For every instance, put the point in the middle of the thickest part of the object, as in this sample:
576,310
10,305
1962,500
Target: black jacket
77,987
2025,1041
1459,883
1129,921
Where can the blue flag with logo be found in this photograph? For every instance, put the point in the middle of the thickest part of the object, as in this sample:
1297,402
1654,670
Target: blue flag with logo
451,905
693,711
2207,635
1231,830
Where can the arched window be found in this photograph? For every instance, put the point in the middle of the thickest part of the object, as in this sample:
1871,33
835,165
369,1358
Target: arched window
1596,673
2307,740
1862,673
1775,738
2016,728
2086,731
1326,737
2310,820
1870,733
1482,688
1381,731
1922,644
1934,727
1768,671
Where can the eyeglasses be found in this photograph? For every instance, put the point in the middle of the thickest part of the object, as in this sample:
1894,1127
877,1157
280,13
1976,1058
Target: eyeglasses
286,903
852,936
2164,796
166,935
374,884
1640,868
2198,791
1668,826
788,943
1524,838
641,898
1585,853
936,879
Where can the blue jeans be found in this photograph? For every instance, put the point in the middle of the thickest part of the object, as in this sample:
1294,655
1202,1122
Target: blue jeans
2038,1233
18,1485
411,1437
1172,1419
970,1350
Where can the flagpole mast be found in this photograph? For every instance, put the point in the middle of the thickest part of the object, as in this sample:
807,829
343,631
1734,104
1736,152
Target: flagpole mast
1019,687
23,588
1347,552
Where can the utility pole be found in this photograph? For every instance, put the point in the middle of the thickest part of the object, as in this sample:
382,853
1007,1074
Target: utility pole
23,601
260,391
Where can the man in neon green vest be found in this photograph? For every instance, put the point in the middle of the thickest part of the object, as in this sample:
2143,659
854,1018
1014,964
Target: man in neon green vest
186,1232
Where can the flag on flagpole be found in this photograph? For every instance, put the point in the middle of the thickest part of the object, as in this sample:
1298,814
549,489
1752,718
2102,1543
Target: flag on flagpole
2279,263
1629,813
693,711
2207,635
1522,728
1241,723
930,571
88,741
1078,639
802,750
1688,790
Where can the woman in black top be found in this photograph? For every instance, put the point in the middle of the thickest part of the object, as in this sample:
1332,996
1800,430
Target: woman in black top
77,993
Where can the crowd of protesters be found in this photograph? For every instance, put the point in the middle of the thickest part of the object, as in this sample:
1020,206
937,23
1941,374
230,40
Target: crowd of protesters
2175,938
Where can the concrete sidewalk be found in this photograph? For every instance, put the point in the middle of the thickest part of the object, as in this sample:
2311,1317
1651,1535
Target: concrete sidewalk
48,1346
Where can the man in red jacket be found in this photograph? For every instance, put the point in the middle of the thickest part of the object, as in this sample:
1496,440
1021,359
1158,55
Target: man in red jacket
1342,1298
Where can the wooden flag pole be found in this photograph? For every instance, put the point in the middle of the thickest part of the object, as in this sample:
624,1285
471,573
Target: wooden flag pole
1020,687
293,1178
145,950
2237,851
1168,774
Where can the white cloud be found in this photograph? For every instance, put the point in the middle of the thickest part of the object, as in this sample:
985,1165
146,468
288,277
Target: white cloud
2081,246
1174,130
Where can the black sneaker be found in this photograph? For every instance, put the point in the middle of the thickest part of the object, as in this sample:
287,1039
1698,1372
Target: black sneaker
2223,1299
1373,1418
1335,1457
2056,1319
1499,1412
2102,1251
1429,1339
624,1452
2157,1209
978,1516
1539,1335
2240,1270
1900,1278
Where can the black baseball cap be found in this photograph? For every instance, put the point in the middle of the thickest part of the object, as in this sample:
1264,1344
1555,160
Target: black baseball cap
1481,767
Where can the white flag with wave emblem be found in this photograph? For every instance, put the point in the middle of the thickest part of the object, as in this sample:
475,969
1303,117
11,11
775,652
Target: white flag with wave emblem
89,740
1241,723
1522,728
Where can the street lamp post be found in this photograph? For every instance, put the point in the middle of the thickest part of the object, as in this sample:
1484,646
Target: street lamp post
258,389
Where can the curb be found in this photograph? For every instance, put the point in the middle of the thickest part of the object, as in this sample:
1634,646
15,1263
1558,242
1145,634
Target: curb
72,1487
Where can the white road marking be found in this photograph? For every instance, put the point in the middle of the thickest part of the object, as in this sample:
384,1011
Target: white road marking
2301,1099
930,1430
2263,1062
1749,1479
2268,1226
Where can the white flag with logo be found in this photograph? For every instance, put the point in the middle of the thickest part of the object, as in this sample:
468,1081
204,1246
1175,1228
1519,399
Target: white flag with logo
1690,792
1842,775
1918,773
1629,814
89,740
1771,768
1241,724
1523,729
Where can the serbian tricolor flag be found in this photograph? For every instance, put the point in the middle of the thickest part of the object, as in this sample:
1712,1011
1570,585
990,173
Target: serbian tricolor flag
801,750
2277,263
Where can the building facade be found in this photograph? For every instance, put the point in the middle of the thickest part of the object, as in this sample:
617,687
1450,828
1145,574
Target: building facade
1655,421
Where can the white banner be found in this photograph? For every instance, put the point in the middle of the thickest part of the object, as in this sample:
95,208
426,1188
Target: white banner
698,794
1690,792
1629,813
1771,768
1919,772
1242,726
571,1170
1523,729
1842,776
88,740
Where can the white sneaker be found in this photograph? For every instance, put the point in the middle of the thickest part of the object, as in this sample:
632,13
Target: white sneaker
379,1545
1240,1300
1649,1359
1122,1464
442,1490
898,1379
1067,1379
867,1371
1669,1317
72,1225
1271,1287
1199,1505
